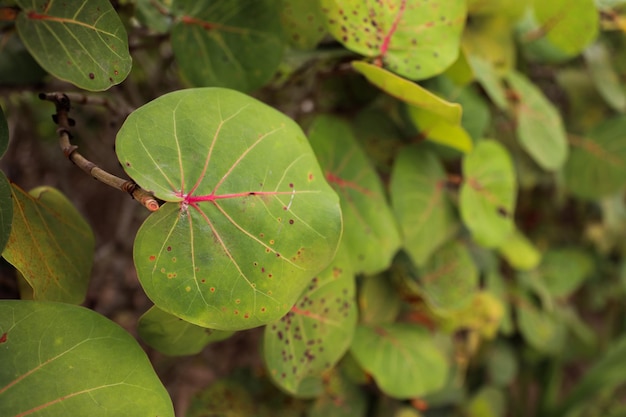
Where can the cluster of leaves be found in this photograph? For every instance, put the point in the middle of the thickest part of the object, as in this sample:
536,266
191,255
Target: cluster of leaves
433,240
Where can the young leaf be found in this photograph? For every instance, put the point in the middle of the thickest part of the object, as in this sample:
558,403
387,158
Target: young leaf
227,43
420,203
173,336
597,165
409,92
50,244
413,39
58,357
539,126
370,232
83,42
520,252
303,22
488,193
316,332
570,26
436,129
402,359
249,218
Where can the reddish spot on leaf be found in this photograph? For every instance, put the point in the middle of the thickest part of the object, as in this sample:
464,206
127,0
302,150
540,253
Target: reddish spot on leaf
169,248
291,221
212,289
152,258
3,338
91,76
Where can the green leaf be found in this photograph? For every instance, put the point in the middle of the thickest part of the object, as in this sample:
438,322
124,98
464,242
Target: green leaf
370,231
315,333
149,13
487,402
249,218
412,39
59,358
539,126
490,80
4,133
597,164
83,42
570,26
420,203
227,43
541,329
51,245
379,302
303,22
173,336
491,38
600,64
409,92
564,270
379,137
481,316
519,252
6,210
502,365
449,279
436,129
402,358
488,193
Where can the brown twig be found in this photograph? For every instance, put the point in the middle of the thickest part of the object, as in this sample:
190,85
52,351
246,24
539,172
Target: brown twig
61,118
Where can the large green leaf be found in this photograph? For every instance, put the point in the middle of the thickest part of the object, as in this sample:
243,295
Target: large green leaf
539,126
173,336
249,218
409,92
59,360
420,203
315,333
568,25
414,39
597,165
227,43
51,245
303,22
83,42
402,359
370,232
488,193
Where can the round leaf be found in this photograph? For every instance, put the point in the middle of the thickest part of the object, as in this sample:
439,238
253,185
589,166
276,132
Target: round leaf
83,42
370,232
315,333
539,125
420,204
449,278
173,336
414,39
568,25
227,43
488,193
50,244
597,165
250,218
59,357
402,359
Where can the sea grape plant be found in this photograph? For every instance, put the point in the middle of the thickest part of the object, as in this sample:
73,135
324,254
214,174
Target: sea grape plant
417,204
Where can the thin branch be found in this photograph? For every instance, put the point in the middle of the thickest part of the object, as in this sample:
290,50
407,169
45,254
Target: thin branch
62,104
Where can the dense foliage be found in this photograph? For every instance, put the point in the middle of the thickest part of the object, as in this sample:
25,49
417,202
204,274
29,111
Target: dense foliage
419,201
